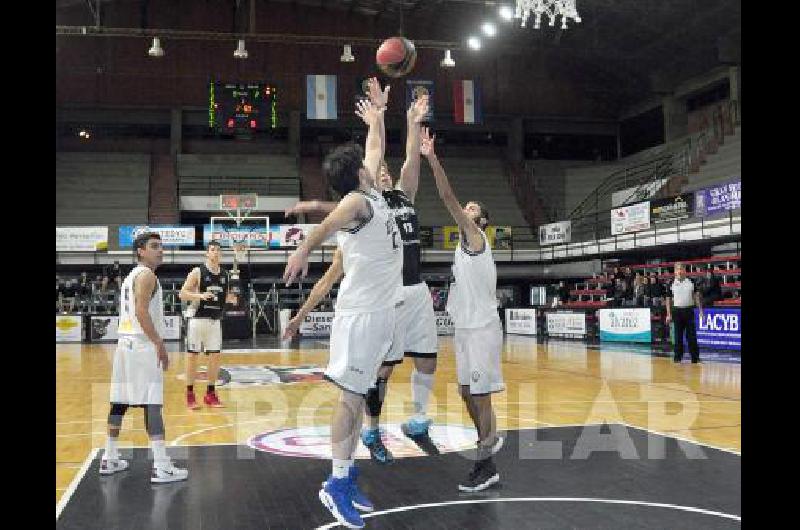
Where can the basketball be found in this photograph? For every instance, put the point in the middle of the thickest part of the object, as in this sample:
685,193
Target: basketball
396,56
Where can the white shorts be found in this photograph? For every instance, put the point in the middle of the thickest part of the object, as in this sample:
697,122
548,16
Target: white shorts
416,325
478,358
359,344
204,335
136,377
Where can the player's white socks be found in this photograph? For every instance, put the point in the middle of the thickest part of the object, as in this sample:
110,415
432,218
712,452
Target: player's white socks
341,468
111,452
160,457
421,386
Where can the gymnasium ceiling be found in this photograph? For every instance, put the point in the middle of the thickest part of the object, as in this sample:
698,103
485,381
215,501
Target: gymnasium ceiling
651,44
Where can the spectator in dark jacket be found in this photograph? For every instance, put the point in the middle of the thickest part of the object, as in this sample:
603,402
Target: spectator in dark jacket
563,293
711,290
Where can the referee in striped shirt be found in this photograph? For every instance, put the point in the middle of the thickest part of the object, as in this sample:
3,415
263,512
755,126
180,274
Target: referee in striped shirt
684,296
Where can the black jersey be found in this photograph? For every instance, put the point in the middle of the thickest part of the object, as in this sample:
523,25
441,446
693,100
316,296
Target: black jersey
406,218
217,284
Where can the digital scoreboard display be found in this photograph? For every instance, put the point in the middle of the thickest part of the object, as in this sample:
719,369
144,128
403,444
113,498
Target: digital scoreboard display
241,108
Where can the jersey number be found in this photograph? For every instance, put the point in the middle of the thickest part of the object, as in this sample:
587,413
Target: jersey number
409,228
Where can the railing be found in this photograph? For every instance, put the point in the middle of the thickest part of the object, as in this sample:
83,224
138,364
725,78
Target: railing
217,185
683,158
587,240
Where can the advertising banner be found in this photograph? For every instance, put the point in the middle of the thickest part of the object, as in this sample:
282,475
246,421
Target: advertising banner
555,233
171,235
317,324
566,324
672,208
719,198
521,321
68,328
104,327
81,238
720,328
630,218
625,325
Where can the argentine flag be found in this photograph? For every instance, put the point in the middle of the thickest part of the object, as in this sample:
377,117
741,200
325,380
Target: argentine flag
321,97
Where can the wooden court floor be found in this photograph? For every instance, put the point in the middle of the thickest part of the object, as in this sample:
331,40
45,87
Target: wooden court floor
547,383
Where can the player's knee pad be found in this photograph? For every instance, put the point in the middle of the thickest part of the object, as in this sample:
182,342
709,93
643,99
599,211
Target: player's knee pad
375,396
153,420
116,413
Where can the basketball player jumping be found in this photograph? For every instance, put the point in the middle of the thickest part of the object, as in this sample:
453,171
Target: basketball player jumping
137,378
205,288
472,304
363,324
416,324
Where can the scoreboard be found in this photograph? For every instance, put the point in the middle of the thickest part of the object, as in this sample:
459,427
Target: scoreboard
241,108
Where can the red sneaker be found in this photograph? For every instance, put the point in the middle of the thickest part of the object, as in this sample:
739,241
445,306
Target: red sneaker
212,400
191,402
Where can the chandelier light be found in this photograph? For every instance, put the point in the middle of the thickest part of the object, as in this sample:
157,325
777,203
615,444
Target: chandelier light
552,8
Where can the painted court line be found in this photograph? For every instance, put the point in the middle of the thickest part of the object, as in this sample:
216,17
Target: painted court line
545,499
62,502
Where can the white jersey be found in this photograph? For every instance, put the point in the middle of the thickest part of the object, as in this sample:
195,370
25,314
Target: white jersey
472,301
128,323
372,258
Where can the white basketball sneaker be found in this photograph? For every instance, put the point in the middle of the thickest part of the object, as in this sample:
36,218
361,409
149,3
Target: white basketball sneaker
109,467
167,472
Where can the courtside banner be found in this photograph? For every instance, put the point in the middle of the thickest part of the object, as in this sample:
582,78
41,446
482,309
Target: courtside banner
68,328
719,198
630,218
554,233
625,325
566,324
81,238
719,328
317,324
444,323
521,321
171,235
104,328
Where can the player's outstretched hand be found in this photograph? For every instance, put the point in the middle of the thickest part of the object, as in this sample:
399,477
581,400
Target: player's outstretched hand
379,98
426,142
418,109
367,111
296,265
292,328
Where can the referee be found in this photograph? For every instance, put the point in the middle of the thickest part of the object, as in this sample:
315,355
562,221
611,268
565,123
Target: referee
684,296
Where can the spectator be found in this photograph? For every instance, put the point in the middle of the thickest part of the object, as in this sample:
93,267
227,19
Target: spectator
638,290
114,273
563,293
655,291
711,290
59,294
619,292
70,294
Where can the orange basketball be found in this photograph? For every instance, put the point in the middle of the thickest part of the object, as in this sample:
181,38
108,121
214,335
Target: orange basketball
396,56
